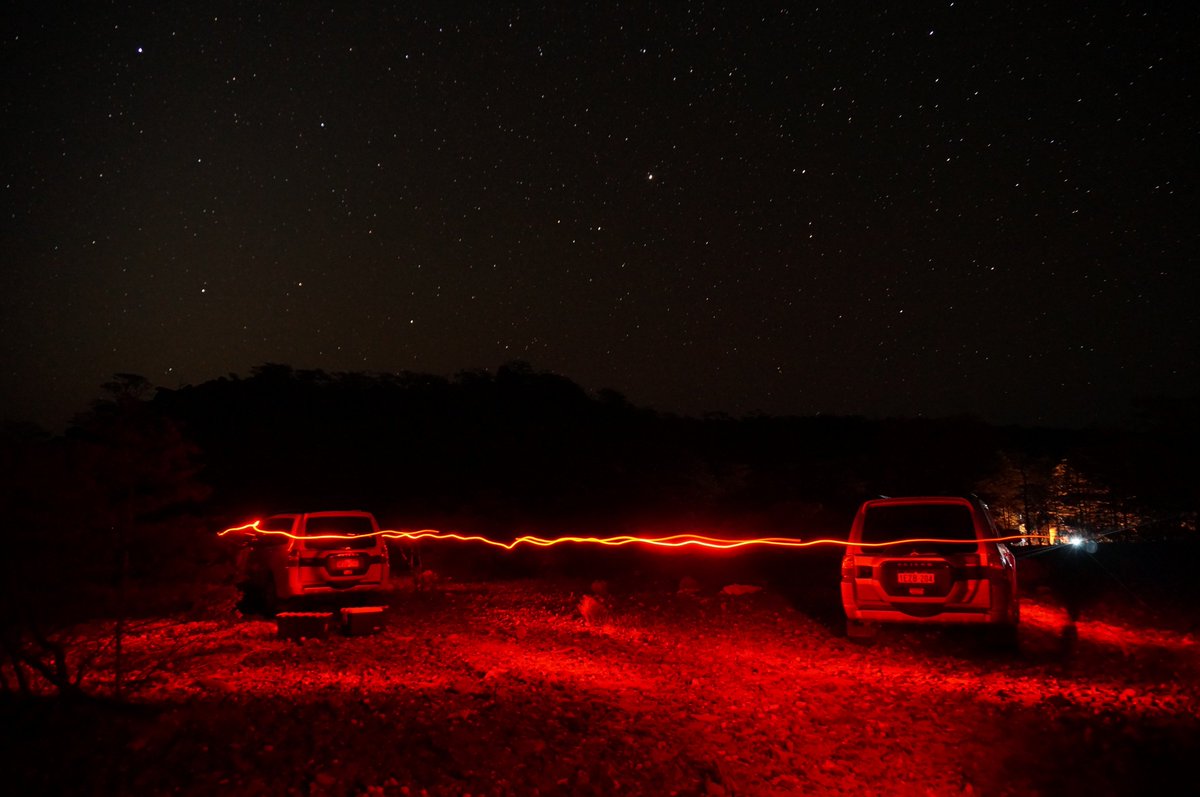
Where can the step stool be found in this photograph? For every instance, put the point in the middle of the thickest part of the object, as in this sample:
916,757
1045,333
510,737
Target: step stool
361,620
304,625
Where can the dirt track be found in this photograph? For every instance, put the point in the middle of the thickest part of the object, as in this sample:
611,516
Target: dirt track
503,688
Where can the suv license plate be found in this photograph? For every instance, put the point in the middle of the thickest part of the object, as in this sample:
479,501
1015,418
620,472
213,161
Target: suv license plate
352,563
915,577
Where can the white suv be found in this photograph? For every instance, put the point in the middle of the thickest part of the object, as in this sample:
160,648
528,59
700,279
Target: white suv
928,560
311,555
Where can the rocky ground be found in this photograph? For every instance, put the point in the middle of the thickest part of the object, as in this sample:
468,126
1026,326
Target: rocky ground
504,687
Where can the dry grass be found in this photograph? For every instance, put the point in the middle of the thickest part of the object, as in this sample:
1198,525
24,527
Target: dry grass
505,688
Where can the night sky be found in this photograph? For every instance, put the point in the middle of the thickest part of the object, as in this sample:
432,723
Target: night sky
879,209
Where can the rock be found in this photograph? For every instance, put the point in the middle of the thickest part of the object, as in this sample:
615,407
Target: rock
593,610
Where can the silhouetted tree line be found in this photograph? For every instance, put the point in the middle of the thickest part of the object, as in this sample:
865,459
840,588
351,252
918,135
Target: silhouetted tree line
519,449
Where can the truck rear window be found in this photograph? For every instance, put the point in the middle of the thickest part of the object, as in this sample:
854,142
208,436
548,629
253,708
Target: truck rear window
918,521
343,525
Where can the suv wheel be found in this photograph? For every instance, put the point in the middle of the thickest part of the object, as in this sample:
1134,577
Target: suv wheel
860,631
259,599
250,599
1003,637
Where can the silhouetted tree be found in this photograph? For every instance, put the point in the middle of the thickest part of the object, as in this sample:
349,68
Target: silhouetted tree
104,505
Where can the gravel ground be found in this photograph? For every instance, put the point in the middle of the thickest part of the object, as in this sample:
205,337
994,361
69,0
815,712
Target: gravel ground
505,688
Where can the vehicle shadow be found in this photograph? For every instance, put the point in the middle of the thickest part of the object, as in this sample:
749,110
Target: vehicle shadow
809,580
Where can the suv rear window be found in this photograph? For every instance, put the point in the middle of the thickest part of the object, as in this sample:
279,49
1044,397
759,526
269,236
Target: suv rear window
926,521
344,525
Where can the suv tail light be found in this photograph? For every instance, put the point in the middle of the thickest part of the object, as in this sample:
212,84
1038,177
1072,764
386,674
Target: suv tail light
995,560
851,569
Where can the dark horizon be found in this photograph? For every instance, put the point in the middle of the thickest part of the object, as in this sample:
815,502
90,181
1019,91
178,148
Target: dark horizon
55,417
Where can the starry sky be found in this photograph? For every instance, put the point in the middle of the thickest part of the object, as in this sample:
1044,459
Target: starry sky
879,209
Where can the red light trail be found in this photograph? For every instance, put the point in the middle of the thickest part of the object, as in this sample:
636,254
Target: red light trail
669,541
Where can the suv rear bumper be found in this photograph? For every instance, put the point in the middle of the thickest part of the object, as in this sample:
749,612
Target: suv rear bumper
944,617
332,587
312,580
982,601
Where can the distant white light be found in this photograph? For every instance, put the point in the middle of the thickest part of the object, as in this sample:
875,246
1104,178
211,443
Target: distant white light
139,51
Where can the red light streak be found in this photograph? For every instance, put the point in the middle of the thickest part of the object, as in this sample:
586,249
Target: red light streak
669,541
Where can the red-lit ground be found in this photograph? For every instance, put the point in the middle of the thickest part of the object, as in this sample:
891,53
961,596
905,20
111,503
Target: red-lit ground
502,688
